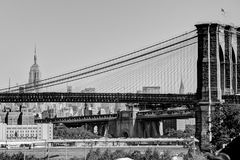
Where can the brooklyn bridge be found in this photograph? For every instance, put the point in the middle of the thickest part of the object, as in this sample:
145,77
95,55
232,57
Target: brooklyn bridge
206,59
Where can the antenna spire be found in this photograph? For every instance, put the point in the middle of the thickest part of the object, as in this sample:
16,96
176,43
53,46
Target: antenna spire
181,89
35,54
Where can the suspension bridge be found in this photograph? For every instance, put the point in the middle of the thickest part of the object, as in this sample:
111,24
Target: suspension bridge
206,60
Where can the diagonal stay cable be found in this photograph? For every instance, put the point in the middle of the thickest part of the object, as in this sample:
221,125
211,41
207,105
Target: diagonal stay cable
115,64
126,55
87,76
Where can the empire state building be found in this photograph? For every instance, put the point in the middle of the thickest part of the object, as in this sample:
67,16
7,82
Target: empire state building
34,76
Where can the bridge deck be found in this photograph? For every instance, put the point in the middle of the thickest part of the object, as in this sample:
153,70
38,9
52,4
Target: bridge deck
150,115
156,114
97,97
78,119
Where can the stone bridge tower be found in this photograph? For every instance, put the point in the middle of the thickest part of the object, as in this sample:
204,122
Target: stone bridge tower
218,71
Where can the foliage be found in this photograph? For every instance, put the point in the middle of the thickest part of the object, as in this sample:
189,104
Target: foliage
166,155
194,156
188,132
72,133
108,155
136,155
94,155
148,154
17,156
5,156
155,155
119,154
225,124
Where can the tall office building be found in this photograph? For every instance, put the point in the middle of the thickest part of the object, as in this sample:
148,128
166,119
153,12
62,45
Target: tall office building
34,75
181,88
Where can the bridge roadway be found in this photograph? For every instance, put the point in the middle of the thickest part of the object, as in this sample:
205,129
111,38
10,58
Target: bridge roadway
147,115
79,119
98,98
169,114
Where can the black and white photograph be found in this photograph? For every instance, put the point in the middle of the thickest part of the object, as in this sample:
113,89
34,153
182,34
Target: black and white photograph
119,79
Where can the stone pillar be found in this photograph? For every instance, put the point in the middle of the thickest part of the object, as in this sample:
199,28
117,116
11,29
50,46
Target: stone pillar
208,78
202,124
208,65
139,132
146,129
218,71
86,126
154,129
100,130
238,60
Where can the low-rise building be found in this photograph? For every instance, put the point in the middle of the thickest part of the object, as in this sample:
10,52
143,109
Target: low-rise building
26,132
14,118
4,117
27,118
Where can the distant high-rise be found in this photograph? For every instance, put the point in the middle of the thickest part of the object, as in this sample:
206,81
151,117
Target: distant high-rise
34,75
181,89
69,89
151,89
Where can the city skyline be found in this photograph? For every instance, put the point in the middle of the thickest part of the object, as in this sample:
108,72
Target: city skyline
65,32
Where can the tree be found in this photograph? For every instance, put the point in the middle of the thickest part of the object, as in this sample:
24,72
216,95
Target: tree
136,155
106,155
118,154
166,155
225,124
94,155
189,131
4,156
148,154
72,133
170,132
155,155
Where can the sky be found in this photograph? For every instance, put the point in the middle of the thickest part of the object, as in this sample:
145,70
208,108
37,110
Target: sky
72,34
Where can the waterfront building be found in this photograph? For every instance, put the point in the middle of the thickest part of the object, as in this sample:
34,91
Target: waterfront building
26,132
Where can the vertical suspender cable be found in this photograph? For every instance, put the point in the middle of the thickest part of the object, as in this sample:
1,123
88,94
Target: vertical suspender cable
209,87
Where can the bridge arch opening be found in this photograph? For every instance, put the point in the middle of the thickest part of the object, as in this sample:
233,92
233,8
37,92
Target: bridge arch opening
234,71
221,58
95,130
125,134
227,71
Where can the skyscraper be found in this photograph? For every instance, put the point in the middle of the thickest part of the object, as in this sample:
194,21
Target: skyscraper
181,89
34,75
